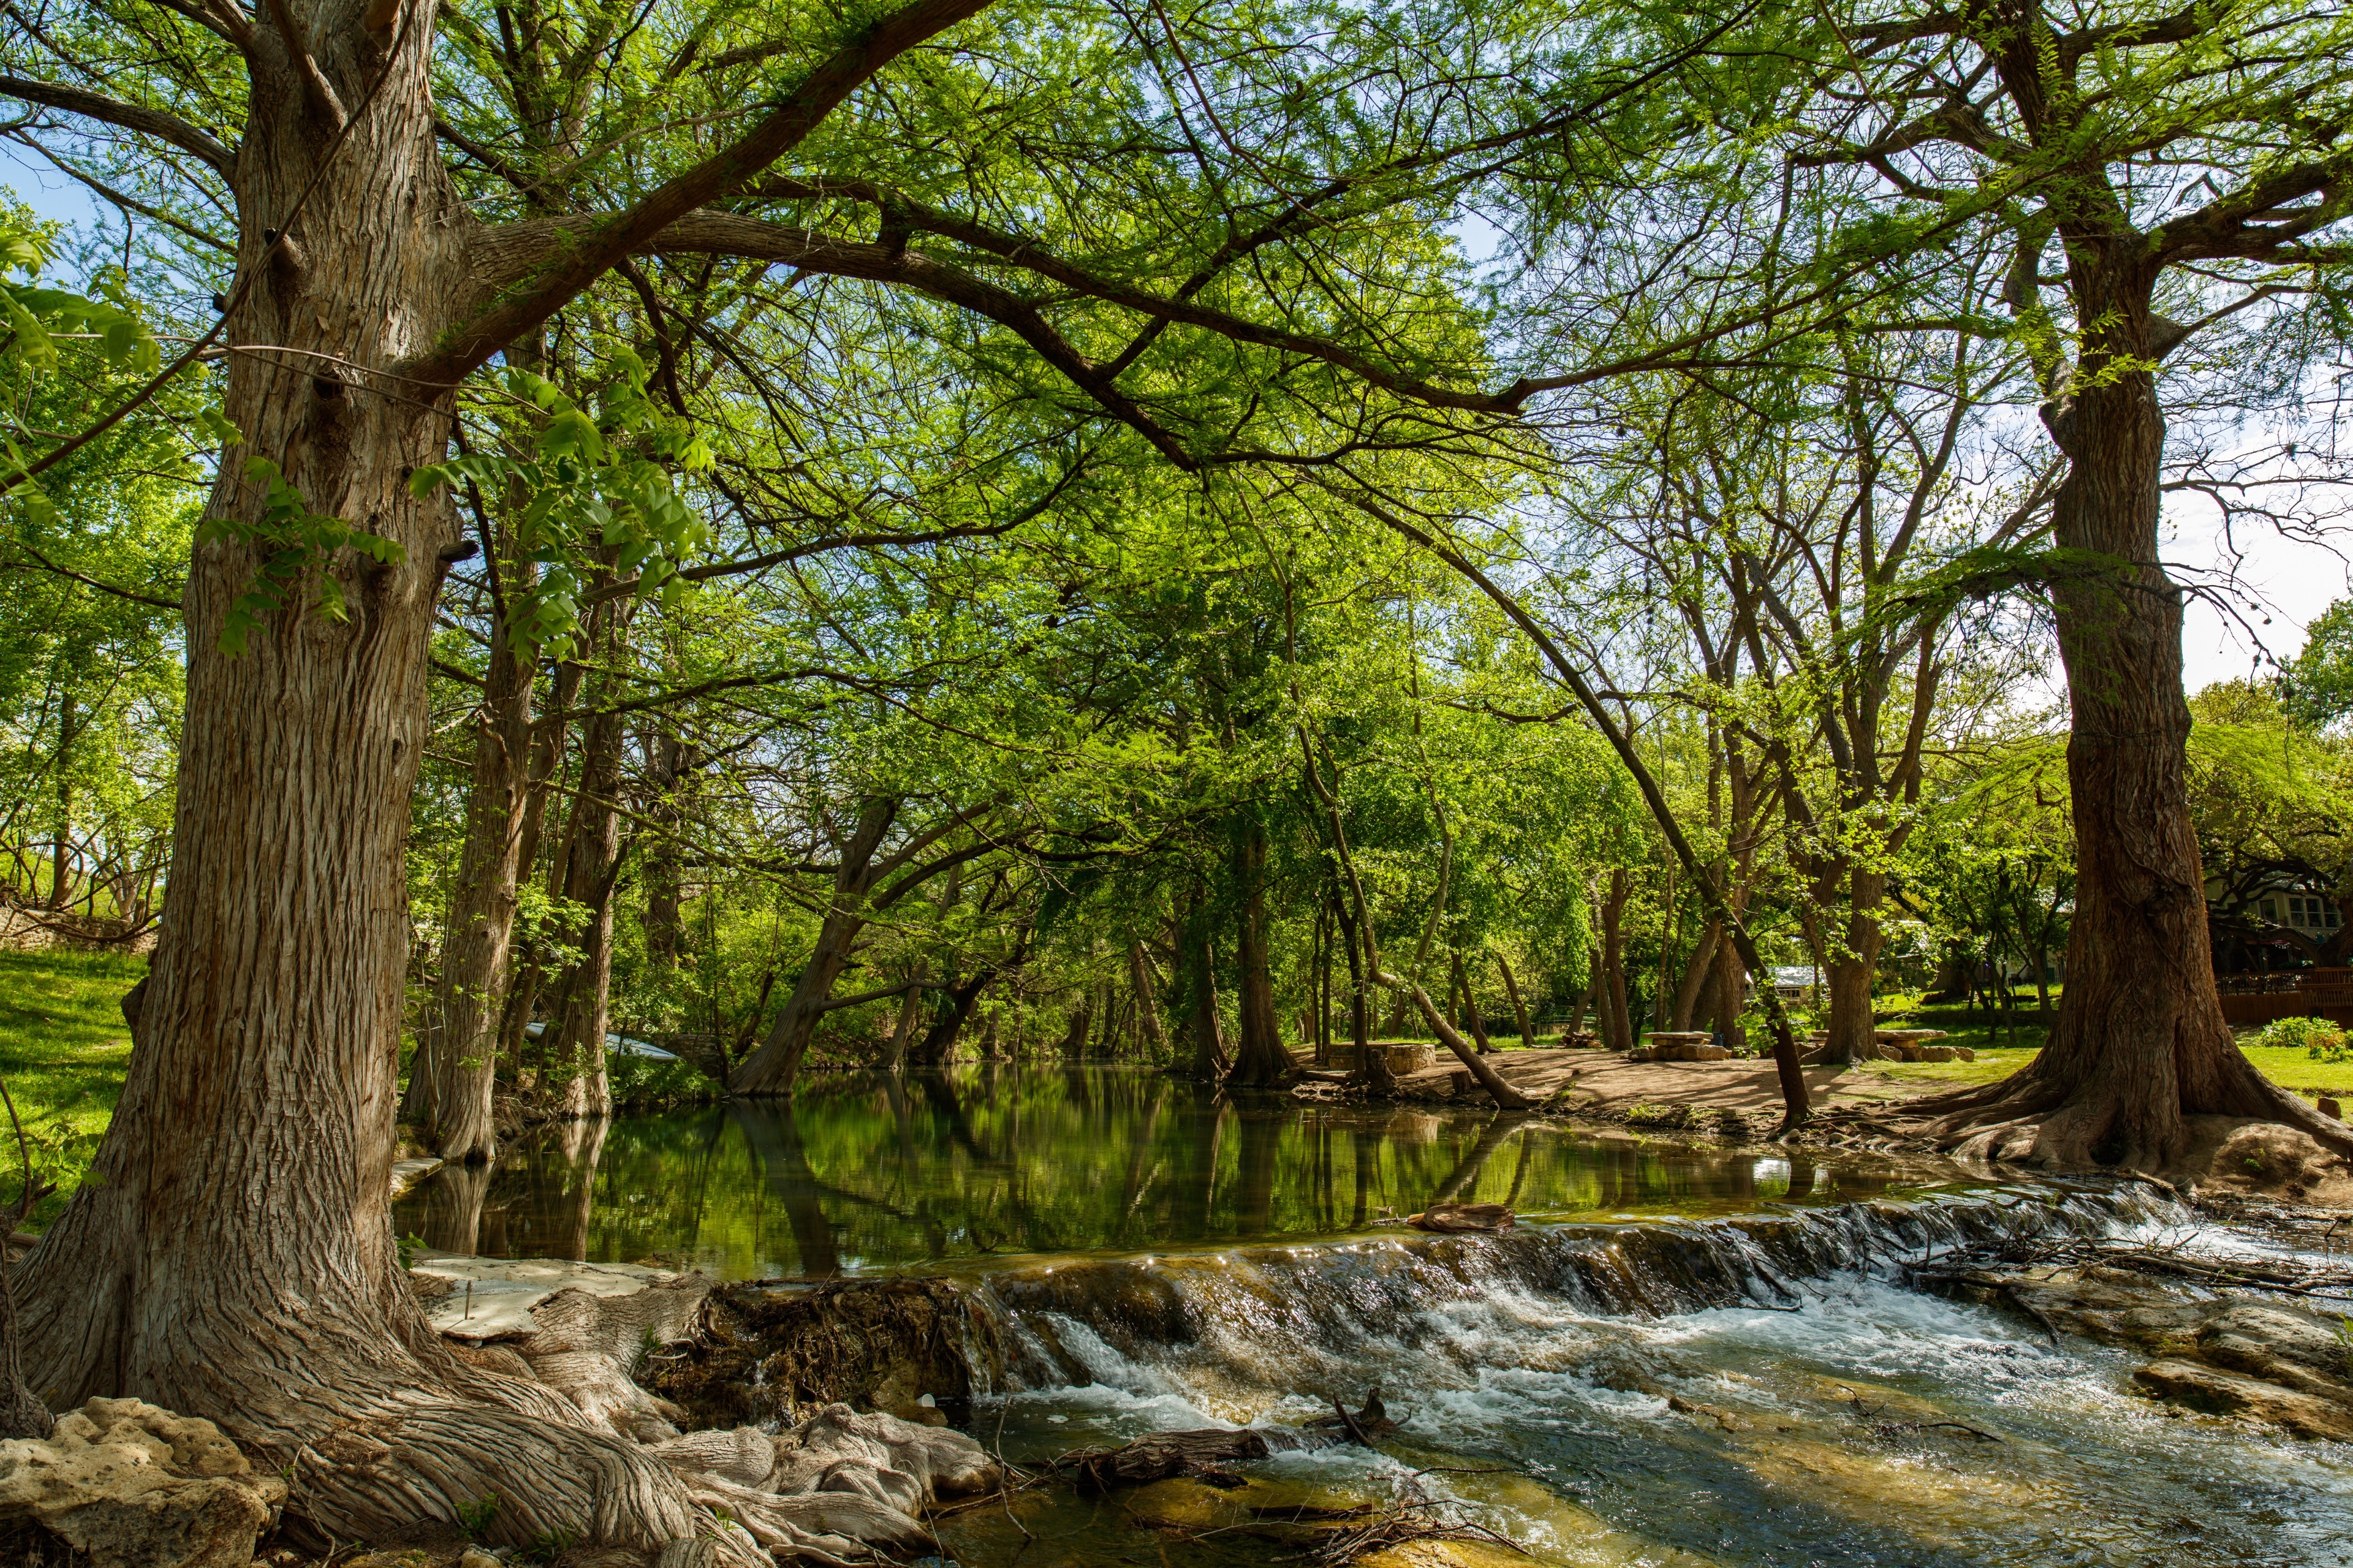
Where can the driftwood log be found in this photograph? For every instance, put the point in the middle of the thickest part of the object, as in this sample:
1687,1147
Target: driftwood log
1448,1219
1206,1454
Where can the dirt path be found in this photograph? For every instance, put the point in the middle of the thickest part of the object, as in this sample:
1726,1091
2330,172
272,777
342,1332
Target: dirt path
1615,1084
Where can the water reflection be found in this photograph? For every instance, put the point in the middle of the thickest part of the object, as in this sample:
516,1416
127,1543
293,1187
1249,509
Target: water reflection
883,1173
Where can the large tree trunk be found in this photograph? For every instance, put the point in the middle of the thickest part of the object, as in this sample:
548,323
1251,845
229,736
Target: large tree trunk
1197,970
1619,1022
1372,1067
234,1257
2140,1040
1849,969
571,1077
1260,1059
456,1068
772,1069
1147,1005
1695,977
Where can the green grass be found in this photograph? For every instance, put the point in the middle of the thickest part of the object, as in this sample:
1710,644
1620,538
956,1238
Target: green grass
2288,1066
63,1051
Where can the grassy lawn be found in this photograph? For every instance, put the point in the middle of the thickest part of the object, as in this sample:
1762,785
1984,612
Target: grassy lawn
63,1050
2288,1067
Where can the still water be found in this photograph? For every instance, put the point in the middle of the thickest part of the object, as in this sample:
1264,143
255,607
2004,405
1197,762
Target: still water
1685,1357
879,1173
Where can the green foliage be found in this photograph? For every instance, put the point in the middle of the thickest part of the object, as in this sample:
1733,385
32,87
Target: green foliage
475,1518
645,1083
595,491
64,1048
2310,1035
2317,683
549,1545
34,318
295,545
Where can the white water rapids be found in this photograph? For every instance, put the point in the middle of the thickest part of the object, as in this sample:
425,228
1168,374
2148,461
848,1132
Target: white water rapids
1756,1391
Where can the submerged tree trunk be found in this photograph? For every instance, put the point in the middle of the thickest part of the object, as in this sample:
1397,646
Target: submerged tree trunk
2140,1040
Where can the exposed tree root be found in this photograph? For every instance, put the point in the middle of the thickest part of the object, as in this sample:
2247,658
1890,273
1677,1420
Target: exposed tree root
2033,1117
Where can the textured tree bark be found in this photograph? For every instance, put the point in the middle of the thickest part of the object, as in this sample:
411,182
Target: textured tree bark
1260,1059
2140,1040
1619,1022
455,1072
234,1257
1695,977
1852,1024
1519,1008
571,1077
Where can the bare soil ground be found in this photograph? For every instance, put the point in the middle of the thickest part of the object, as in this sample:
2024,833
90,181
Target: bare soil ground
1597,1081
1862,1105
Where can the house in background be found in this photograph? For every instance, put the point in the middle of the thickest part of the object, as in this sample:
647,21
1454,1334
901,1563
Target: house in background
2280,948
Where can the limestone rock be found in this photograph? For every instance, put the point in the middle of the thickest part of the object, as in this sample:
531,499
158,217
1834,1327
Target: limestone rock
2224,1392
131,1486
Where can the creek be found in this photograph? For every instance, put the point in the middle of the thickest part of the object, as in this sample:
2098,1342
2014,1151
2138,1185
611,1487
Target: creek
1683,1355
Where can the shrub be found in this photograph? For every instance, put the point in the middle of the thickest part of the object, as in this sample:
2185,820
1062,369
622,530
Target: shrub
2322,1040
646,1083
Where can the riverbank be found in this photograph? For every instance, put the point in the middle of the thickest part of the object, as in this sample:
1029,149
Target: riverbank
1859,1105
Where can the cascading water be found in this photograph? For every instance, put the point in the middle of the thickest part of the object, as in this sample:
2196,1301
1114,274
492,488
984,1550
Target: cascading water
1760,1390
1688,1354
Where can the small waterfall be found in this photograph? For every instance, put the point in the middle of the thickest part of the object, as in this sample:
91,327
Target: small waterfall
1236,1332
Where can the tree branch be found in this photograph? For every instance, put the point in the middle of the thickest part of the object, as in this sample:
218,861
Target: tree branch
129,116
563,274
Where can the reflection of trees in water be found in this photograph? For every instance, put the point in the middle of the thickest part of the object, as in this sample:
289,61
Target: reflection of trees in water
773,1136
1261,1137
453,1208
1465,1174
539,1200
878,1172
